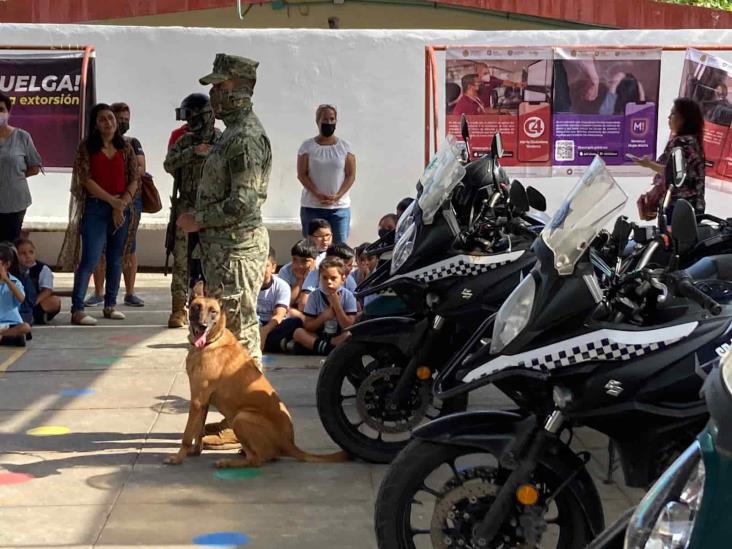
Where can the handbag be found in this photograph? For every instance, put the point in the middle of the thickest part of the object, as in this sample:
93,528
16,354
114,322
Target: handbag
151,202
648,202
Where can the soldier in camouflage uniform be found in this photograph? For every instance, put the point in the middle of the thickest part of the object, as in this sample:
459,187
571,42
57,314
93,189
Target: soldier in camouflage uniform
184,162
228,212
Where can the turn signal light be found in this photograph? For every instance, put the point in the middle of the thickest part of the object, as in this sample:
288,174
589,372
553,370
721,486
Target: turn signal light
424,373
526,494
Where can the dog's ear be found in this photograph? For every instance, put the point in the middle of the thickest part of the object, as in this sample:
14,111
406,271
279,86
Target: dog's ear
217,293
196,291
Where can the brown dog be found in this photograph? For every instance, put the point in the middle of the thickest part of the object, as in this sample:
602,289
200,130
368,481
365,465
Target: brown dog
222,373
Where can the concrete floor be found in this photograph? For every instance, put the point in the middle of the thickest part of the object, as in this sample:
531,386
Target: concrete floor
120,389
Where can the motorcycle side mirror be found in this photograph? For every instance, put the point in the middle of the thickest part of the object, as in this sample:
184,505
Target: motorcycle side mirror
678,166
621,232
464,130
497,146
683,226
518,197
536,199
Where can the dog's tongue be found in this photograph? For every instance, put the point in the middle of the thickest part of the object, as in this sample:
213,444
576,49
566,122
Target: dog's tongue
200,343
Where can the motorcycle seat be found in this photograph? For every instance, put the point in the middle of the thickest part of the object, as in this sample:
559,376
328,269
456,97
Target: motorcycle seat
716,267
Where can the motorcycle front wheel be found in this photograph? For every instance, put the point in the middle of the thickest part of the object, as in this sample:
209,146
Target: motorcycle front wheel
353,387
434,495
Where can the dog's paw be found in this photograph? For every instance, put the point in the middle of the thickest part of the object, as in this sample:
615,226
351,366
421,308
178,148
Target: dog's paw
173,460
222,463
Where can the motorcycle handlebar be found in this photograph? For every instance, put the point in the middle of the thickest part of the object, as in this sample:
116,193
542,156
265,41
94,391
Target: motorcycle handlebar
688,290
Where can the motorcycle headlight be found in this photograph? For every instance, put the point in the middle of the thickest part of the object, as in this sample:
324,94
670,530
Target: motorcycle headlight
665,517
403,248
514,314
404,222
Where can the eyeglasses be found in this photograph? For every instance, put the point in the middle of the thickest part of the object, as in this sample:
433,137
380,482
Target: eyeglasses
327,106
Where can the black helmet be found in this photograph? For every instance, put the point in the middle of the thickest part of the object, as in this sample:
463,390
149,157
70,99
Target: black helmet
192,105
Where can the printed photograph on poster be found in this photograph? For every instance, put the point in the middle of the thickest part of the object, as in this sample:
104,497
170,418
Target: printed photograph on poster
605,102
46,95
707,80
506,90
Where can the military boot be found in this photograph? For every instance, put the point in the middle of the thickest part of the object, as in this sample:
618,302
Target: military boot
178,317
219,436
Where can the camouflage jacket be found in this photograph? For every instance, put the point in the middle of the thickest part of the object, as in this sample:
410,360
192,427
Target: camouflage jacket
234,182
183,161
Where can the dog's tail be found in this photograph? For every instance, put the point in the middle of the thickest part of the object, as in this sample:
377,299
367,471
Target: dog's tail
300,455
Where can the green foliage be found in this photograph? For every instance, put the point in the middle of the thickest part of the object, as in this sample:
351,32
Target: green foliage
716,4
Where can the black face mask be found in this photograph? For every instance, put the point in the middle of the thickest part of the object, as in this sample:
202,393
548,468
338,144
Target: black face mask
122,127
383,232
327,129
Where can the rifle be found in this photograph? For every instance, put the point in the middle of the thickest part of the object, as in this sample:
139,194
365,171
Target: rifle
171,228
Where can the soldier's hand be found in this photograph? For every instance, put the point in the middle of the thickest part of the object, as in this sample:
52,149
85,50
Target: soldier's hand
203,148
187,223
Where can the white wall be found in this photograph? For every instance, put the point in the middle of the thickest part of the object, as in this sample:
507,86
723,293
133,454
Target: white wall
375,78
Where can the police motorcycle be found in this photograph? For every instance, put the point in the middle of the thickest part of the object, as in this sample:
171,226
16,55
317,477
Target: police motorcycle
461,248
652,242
622,361
688,506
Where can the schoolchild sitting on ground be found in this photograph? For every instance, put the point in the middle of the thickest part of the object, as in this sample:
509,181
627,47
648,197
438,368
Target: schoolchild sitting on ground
304,253
12,328
365,264
387,224
402,206
321,234
329,312
341,251
272,304
37,278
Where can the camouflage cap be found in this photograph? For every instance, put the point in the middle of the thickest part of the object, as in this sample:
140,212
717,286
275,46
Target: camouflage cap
231,67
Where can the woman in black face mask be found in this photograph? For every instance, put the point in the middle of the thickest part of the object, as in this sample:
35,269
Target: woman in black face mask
326,167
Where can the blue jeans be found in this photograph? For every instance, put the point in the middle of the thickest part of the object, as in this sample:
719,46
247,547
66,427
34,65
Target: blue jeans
138,211
97,231
339,219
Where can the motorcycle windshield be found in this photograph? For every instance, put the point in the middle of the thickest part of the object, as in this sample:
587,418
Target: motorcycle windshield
585,211
439,179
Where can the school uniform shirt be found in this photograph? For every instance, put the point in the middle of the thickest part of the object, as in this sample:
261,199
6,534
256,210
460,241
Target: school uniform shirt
318,302
9,305
45,277
312,282
277,295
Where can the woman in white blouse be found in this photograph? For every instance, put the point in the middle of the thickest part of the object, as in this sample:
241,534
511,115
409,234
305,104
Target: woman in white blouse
326,167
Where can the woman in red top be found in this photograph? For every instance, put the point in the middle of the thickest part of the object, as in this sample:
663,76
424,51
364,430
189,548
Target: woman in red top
105,180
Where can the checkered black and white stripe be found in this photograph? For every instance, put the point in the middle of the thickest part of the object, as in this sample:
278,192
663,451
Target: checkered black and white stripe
602,345
462,265
602,350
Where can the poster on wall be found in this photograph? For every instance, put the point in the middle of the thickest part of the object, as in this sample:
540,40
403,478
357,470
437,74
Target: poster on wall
45,91
708,80
605,102
506,90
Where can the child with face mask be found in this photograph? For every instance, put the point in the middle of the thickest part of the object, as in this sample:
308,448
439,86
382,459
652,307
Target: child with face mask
326,168
13,330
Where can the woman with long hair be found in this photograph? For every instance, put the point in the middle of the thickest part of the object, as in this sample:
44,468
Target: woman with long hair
686,123
104,184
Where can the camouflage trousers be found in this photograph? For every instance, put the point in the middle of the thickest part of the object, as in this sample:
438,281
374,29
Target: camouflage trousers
179,284
240,270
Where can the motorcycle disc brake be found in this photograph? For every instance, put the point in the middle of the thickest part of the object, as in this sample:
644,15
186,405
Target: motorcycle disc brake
371,402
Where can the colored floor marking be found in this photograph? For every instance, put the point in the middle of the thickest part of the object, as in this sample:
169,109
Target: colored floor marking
14,478
8,362
222,539
235,474
76,392
48,431
104,360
